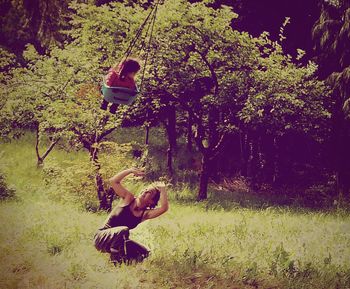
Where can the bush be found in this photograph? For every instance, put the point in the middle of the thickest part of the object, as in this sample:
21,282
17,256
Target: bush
6,192
73,184
317,196
74,181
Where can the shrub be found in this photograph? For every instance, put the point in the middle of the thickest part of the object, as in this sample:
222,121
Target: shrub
74,181
73,184
6,192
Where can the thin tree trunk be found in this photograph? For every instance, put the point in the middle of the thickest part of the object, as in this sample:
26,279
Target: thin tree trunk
241,155
342,156
147,134
170,127
40,159
204,178
253,159
244,143
275,177
189,133
170,162
104,196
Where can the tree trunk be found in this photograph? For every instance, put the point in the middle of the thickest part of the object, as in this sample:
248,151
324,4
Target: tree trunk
170,162
147,134
276,172
170,127
189,133
341,149
244,143
253,159
40,159
268,152
204,178
105,197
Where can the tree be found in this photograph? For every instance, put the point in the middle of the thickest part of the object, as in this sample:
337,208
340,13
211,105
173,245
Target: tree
202,45
284,99
39,23
58,94
331,34
34,99
257,88
99,36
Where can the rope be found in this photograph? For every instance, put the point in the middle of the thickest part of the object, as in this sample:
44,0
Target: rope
138,33
149,42
143,43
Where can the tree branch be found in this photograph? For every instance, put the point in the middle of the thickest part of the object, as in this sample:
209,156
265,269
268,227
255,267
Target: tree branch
37,142
52,145
219,145
211,69
86,143
105,133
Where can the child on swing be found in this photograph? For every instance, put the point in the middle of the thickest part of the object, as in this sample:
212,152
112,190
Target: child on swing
122,75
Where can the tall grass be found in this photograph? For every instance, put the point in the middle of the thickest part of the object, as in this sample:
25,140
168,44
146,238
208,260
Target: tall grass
46,244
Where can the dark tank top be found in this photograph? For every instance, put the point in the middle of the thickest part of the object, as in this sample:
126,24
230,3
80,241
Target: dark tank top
122,216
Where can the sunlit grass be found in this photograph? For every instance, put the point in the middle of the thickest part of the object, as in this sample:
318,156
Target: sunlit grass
45,244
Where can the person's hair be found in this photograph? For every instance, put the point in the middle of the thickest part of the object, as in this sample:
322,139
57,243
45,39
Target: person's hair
128,66
156,196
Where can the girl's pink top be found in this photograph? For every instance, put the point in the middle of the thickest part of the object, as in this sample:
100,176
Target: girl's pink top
113,80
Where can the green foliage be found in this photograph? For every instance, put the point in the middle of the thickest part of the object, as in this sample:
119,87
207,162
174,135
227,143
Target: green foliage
38,22
286,97
73,181
67,104
259,88
6,192
332,34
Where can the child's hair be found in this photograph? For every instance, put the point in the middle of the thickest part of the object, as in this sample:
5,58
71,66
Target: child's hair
127,66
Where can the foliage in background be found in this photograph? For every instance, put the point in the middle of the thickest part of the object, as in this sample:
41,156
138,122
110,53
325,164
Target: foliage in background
265,105
37,22
259,90
331,34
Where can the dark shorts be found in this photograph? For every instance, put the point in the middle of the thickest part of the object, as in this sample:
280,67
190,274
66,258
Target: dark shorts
116,242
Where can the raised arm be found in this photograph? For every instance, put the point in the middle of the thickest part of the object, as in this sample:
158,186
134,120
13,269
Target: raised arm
164,205
118,188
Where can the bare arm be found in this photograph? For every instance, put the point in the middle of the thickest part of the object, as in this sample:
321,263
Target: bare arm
118,188
164,206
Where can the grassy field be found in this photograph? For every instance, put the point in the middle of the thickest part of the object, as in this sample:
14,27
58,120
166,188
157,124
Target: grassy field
48,244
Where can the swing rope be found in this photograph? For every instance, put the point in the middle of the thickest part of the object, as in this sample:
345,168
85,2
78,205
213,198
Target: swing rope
138,33
140,30
149,42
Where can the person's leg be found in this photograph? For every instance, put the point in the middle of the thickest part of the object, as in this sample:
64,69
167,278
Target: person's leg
117,247
113,108
104,105
135,251
112,239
